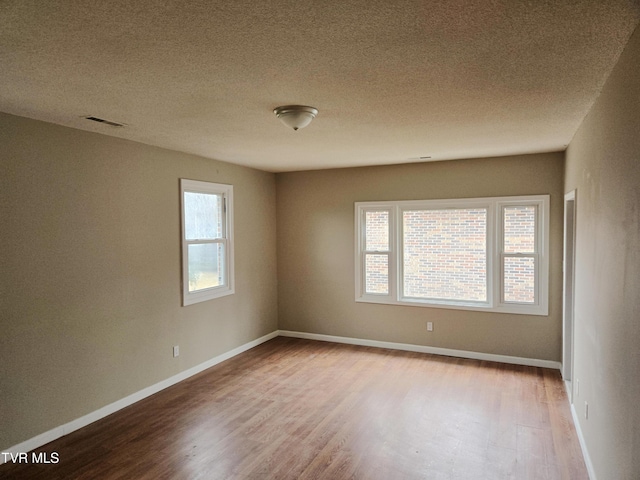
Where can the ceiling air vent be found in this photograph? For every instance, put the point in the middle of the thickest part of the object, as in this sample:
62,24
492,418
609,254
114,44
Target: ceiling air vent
102,120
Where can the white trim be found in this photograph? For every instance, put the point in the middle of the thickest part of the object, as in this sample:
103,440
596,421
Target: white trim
62,430
494,273
361,253
408,347
228,288
568,286
96,415
583,445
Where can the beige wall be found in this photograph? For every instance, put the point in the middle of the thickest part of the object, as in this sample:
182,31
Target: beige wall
315,213
90,261
603,165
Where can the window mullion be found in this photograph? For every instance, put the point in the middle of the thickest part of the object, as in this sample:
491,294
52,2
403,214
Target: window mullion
493,246
205,240
393,253
519,255
399,238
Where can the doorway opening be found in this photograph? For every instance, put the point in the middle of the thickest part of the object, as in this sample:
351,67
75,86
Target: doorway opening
568,283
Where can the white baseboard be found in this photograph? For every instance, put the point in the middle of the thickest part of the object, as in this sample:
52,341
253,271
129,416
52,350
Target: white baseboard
530,362
583,445
85,420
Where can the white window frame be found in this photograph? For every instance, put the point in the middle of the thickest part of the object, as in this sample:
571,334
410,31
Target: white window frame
227,287
494,255
391,287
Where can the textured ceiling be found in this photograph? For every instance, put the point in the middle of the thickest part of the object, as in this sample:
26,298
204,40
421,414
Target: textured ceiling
393,80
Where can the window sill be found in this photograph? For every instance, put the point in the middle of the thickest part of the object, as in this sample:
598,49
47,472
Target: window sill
477,307
205,295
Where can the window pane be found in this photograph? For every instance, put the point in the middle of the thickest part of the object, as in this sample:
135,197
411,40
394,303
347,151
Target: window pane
377,273
519,279
445,254
377,231
519,229
202,216
206,263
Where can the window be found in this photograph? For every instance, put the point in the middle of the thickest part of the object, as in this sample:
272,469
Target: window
488,254
207,240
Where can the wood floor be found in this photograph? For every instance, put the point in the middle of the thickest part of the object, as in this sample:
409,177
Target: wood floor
299,409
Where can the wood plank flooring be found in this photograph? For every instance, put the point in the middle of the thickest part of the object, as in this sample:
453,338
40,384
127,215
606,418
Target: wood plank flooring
300,409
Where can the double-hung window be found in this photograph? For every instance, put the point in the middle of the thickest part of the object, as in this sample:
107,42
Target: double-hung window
207,240
488,254
377,251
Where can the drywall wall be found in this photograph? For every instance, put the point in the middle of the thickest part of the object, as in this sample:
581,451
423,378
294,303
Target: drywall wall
315,212
603,165
90,260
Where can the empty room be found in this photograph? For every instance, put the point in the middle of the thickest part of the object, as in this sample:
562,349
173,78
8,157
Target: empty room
320,240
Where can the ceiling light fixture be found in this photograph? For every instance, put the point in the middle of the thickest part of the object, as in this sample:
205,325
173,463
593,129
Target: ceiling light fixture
296,116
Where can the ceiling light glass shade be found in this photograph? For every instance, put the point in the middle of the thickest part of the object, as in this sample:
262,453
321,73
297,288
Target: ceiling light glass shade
296,116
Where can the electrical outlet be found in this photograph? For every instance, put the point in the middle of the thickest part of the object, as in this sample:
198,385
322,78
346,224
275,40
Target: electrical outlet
586,411
176,350
429,326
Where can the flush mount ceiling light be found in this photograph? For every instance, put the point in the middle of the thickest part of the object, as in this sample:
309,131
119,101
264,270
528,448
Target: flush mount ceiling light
296,116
